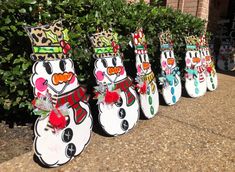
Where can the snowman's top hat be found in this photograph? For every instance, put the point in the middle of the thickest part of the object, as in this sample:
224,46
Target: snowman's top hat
105,44
192,42
166,40
203,41
49,42
140,42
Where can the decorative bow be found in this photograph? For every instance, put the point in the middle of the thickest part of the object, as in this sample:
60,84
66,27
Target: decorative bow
142,88
169,78
115,47
43,107
65,46
192,72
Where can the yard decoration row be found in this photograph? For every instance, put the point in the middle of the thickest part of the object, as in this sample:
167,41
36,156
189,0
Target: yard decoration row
226,57
117,99
146,81
63,128
170,75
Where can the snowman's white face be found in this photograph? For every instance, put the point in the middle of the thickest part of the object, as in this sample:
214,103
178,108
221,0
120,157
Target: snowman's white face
142,64
168,60
109,70
56,77
205,56
192,58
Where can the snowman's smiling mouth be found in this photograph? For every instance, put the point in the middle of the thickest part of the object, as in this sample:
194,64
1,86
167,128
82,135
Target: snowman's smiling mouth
53,89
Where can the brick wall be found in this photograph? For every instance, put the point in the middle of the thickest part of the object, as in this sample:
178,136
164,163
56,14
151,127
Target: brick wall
199,8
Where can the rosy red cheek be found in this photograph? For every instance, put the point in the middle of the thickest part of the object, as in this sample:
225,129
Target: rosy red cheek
188,61
164,64
72,79
40,86
138,69
99,75
122,71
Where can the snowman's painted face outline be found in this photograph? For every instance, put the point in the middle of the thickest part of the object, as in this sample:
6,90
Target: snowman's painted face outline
143,65
109,70
168,59
48,68
193,60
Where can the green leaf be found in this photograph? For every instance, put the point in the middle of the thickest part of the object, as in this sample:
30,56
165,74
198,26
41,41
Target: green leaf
2,38
22,10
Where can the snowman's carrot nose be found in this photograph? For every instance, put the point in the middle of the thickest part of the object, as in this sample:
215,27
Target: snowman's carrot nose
196,60
59,78
114,70
170,61
208,58
146,65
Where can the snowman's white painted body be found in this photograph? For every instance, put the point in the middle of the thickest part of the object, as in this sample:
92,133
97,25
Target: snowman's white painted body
196,86
113,121
211,77
171,91
226,60
51,147
149,101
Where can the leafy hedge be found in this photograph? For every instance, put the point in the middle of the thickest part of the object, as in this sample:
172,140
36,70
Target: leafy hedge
82,18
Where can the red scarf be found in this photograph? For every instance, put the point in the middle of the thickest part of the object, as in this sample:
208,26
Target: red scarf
73,98
124,86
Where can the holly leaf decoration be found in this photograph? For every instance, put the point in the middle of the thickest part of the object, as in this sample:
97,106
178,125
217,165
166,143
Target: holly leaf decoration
53,37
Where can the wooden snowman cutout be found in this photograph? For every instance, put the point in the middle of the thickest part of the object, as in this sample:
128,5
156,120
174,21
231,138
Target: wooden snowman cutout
63,128
195,77
170,75
146,82
226,58
117,100
208,64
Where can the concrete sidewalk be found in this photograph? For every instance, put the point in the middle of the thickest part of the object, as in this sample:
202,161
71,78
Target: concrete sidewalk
193,135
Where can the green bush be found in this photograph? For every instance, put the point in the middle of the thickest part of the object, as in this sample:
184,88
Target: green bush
82,18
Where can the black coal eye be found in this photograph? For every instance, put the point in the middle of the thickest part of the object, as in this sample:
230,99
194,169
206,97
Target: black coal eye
203,53
170,53
48,67
190,54
62,65
165,55
114,61
140,58
196,54
104,63
145,57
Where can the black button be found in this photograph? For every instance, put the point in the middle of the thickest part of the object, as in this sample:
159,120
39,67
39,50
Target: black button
122,113
119,103
125,125
67,135
70,150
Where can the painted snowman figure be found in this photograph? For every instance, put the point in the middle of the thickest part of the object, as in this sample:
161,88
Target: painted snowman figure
117,100
226,58
170,77
195,78
147,87
208,64
63,128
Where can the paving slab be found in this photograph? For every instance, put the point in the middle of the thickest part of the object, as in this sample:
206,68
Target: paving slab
193,135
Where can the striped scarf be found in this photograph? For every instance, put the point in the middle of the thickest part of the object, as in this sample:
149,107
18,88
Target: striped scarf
73,98
124,86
